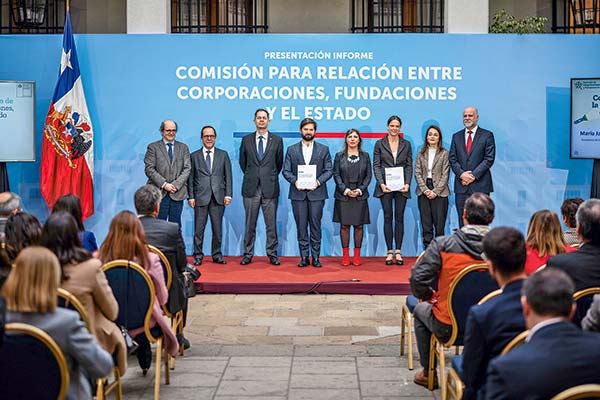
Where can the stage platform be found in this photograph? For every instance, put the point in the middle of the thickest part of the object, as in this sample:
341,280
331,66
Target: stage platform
260,277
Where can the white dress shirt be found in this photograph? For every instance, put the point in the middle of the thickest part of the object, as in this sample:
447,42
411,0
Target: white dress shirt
473,131
257,140
307,150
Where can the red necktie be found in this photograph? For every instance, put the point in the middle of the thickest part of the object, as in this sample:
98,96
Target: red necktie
469,141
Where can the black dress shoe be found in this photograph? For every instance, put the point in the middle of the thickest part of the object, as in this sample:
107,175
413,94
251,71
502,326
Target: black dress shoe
316,262
246,260
274,260
183,341
219,260
304,262
198,260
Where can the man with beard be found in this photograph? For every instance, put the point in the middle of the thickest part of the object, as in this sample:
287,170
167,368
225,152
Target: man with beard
308,200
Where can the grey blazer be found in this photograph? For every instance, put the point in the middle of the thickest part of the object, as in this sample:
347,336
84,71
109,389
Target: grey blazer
85,358
159,169
202,184
321,158
383,158
440,172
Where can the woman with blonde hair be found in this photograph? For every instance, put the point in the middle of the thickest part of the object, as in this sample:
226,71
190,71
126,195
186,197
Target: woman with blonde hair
31,298
544,240
126,241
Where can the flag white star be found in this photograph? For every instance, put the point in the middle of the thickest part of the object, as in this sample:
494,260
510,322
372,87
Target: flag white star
65,60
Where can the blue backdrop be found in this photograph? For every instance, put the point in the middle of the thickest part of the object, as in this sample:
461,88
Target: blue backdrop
520,85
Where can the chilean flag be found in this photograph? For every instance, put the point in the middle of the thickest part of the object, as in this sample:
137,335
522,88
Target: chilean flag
67,144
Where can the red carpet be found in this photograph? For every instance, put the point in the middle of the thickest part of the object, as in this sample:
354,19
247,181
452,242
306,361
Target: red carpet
372,277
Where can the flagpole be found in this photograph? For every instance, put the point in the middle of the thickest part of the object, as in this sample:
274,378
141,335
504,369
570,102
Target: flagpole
68,6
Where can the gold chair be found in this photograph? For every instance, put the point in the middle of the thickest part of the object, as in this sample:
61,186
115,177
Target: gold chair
477,283
8,352
143,287
67,300
406,328
177,318
584,299
590,391
515,342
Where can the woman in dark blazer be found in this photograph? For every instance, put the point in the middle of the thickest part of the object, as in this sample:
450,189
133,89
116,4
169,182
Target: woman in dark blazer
393,151
432,170
352,174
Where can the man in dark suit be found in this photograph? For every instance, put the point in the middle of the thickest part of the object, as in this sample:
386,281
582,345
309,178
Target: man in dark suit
472,153
556,356
210,188
308,201
261,160
166,236
167,166
491,325
583,265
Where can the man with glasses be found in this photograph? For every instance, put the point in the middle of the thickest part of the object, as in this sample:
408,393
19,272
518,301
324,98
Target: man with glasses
210,187
168,167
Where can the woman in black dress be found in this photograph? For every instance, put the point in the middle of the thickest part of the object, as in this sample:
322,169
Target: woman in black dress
352,174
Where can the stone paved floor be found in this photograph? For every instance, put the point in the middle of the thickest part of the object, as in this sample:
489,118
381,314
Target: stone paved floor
292,347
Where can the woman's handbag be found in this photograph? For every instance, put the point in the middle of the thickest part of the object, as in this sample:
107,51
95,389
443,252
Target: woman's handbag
129,342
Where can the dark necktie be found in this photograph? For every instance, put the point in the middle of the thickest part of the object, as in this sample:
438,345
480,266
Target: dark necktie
469,141
170,145
261,148
208,163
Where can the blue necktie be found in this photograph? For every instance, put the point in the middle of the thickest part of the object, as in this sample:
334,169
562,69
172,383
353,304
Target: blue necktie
170,145
261,148
208,163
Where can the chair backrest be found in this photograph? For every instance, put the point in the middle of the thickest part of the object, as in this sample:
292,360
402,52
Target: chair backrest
167,270
134,291
583,298
68,300
489,296
32,366
514,342
590,391
467,289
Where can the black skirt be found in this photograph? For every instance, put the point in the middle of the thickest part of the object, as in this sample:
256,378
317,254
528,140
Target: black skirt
351,212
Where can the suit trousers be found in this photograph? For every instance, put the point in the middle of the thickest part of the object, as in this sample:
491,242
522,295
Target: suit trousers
433,215
393,205
269,209
308,213
201,214
460,199
170,210
425,325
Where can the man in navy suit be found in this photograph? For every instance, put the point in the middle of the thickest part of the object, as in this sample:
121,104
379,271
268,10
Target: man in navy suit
557,355
261,160
490,326
472,153
308,202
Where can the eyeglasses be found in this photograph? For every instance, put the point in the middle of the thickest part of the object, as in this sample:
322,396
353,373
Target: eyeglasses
170,130
208,136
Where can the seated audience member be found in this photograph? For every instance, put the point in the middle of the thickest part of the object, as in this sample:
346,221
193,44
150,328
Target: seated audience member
167,237
126,241
71,204
591,322
568,209
490,326
556,355
22,230
544,240
10,204
31,297
583,265
443,259
82,275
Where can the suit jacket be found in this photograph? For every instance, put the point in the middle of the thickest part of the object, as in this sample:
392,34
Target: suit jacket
591,322
167,237
79,347
159,169
383,158
87,282
340,175
218,182
582,266
440,172
490,326
265,172
479,161
557,357
321,158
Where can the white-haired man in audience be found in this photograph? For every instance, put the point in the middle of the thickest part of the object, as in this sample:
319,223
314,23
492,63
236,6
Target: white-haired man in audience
10,204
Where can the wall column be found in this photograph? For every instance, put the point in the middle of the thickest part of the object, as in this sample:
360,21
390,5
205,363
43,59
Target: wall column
466,16
148,16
